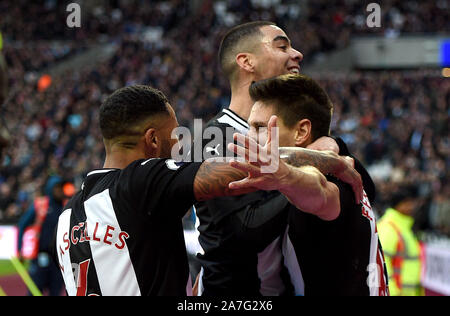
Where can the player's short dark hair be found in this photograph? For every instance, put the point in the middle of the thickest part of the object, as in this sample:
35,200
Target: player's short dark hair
234,42
296,97
129,106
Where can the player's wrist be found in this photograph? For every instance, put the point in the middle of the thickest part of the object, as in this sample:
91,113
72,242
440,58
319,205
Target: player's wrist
291,176
335,163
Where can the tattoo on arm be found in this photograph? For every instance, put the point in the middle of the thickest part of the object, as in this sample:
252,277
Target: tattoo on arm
327,162
212,180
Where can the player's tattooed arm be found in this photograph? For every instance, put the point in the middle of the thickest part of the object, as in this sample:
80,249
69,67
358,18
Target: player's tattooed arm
328,162
212,180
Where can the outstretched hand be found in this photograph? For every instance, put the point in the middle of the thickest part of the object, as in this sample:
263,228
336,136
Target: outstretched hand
262,163
266,171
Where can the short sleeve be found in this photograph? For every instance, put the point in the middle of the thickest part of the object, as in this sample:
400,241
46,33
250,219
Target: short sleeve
160,187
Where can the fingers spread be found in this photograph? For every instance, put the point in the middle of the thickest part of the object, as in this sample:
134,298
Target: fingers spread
246,167
271,125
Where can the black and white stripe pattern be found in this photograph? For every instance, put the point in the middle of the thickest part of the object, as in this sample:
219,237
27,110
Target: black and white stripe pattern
122,233
234,121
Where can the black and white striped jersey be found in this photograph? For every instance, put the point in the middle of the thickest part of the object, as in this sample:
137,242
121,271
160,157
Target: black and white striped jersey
122,233
342,257
239,238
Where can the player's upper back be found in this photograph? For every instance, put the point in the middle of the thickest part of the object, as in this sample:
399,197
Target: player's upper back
122,234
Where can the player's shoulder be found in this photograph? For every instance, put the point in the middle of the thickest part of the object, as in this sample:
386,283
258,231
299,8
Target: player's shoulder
153,164
226,118
140,171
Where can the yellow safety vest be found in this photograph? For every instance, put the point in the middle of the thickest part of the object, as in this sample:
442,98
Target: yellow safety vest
402,253
1,41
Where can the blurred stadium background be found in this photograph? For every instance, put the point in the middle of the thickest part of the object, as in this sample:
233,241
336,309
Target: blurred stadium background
389,84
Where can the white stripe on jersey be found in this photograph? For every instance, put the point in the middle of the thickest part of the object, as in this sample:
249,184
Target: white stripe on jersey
236,125
115,271
64,254
373,249
270,263
291,263
376,262
201,288
236,118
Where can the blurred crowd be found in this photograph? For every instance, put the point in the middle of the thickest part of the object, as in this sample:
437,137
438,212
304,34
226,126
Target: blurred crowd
397,123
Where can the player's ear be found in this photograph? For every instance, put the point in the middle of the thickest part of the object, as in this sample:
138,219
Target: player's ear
152,142
245,61
302,133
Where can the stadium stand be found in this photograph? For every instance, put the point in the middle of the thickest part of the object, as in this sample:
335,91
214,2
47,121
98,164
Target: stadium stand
396,122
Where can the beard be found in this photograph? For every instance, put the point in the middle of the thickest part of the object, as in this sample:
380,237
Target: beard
166,149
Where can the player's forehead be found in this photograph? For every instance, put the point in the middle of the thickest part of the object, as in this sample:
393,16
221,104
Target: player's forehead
260,113
272,33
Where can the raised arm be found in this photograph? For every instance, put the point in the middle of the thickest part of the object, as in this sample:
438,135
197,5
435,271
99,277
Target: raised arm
308,189
338,146
213,178
303,184
327,162
305,187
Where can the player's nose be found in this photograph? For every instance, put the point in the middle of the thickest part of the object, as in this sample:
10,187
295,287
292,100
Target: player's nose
296,55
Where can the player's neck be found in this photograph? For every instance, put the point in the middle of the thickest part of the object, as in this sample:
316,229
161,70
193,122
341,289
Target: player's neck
241,102
121,159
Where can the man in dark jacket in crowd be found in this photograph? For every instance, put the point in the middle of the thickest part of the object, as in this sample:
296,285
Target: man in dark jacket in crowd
43,269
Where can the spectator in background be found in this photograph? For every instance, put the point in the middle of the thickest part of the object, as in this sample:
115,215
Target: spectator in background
4,135
44,214
401,247
3,77
440,211
395,122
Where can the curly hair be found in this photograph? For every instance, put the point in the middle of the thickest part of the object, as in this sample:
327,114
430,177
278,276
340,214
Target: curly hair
127,107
